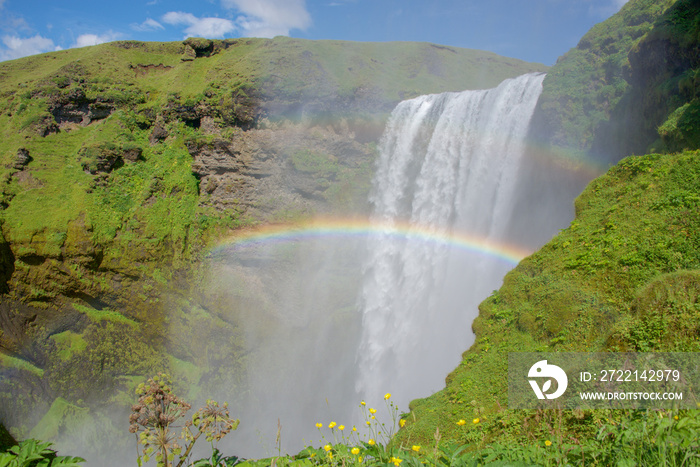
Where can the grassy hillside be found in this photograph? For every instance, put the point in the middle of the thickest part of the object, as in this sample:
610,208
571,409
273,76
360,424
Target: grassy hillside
81,110
625,276
665,73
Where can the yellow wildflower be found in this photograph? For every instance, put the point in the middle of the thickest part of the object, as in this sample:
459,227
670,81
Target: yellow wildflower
372,411
354,428
371,442
363,403
675,417
368,423
547,443
355,451
387,396
372,417
395,460
359,459
341,427
461,422
402,422
327,447
475,421
319,425
416,448
331,425
330,455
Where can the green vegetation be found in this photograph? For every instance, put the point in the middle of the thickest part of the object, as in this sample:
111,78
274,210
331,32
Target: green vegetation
645,437
154,419
107,211
104,222
587,82
606,98
622,277
668,84
33,453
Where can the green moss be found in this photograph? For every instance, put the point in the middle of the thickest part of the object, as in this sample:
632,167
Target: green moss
70,343
61,417
682,128
315,163
97,316
8,361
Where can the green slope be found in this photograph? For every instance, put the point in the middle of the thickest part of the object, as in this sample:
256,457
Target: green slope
625,276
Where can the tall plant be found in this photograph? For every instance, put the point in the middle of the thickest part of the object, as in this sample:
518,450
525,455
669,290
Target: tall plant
154,418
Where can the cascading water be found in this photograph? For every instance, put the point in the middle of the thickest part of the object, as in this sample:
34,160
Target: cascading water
326,331
448,164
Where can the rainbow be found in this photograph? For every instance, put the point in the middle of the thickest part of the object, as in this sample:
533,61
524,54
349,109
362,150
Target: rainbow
358,227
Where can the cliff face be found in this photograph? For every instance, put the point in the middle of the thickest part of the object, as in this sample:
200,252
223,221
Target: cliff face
586,110
122,164
664,82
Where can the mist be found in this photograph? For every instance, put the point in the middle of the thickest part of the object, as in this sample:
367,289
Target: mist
383,303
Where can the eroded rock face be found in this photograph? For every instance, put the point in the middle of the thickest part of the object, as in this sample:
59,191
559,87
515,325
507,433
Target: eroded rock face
77,108
265,171
158,134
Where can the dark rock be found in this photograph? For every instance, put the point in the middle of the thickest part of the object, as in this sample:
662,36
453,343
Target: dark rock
132,154
76,108
101,158
21,159
202,47
214,158
158,134
99,110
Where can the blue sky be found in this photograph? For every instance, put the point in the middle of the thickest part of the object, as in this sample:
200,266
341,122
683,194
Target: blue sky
532,30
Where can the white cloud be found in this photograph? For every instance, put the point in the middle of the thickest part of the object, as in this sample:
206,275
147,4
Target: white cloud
149,25
16,47
85,40
200,27
268,18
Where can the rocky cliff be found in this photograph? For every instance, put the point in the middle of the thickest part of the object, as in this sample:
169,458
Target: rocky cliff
607,98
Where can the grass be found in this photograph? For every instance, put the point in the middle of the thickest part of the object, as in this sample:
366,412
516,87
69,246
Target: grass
622,277
104,315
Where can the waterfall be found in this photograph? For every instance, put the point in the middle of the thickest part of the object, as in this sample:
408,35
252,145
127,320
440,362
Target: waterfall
336,319
448,163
